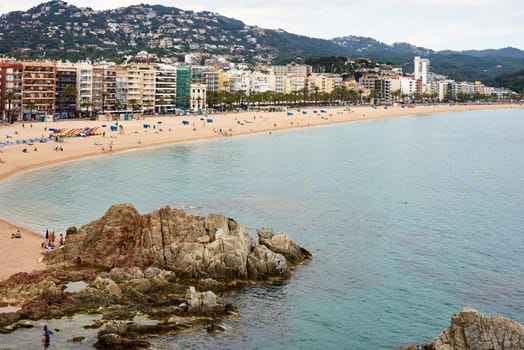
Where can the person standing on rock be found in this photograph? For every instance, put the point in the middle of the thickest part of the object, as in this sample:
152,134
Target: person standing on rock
278,267
46,336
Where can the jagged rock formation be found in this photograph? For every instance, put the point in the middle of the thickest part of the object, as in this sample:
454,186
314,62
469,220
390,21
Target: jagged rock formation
192,246
470,330
136,266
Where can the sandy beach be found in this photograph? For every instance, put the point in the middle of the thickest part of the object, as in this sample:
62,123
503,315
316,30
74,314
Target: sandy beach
21,255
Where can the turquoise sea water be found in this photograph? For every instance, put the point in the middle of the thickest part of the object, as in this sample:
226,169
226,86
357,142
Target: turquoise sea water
408,220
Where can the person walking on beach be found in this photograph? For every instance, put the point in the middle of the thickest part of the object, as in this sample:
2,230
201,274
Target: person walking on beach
46,336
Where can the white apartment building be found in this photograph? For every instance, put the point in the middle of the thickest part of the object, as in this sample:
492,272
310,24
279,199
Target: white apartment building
295,83
84,85
198,97
445,90
421,69
260,82
165,87
240,81
408,86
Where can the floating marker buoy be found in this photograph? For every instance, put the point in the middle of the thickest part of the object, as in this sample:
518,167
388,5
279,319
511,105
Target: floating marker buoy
466,188
305,178
146,167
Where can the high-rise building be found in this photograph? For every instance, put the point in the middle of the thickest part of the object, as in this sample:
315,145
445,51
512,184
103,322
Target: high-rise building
141,87
10,89
84,86
183,86
66,93
165,90
421,69
104,87
38,88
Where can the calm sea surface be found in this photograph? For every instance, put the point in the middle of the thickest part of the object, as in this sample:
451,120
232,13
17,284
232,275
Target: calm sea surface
408,219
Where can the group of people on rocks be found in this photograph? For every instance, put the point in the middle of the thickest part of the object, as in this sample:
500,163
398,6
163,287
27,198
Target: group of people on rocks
50,237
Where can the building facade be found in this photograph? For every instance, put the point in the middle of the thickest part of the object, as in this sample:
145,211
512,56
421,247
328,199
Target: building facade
11,90
183,87
38,88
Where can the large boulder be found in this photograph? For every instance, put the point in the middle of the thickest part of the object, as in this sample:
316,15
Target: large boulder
204,303
282,244
470,329
191,246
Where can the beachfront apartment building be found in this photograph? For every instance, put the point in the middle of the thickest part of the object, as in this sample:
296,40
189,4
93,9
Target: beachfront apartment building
211,80
223,81
84,86
120,88
408,86
183,86
65,93
421,69
422,74
109,88
260,82
38,88
206,75
291,69
104,88
198,97
141,87
240,81
325,83
98,89
294,83
165,89
10,89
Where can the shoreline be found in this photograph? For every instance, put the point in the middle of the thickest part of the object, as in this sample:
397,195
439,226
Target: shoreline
21,255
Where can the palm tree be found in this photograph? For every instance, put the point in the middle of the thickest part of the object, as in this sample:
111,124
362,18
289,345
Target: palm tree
134,103
118,105
86,105
147,104
31,105
186,98
161,105
104,95
69,93
316,88
10,96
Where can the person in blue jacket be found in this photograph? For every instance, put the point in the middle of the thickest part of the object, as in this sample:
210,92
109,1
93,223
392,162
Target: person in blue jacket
46,336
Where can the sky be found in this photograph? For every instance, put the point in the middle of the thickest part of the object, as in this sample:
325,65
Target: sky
434,24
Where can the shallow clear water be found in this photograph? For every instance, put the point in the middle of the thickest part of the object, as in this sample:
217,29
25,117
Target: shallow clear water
408,219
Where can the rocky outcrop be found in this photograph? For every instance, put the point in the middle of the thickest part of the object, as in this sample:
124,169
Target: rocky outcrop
469,329
192,246
164,267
